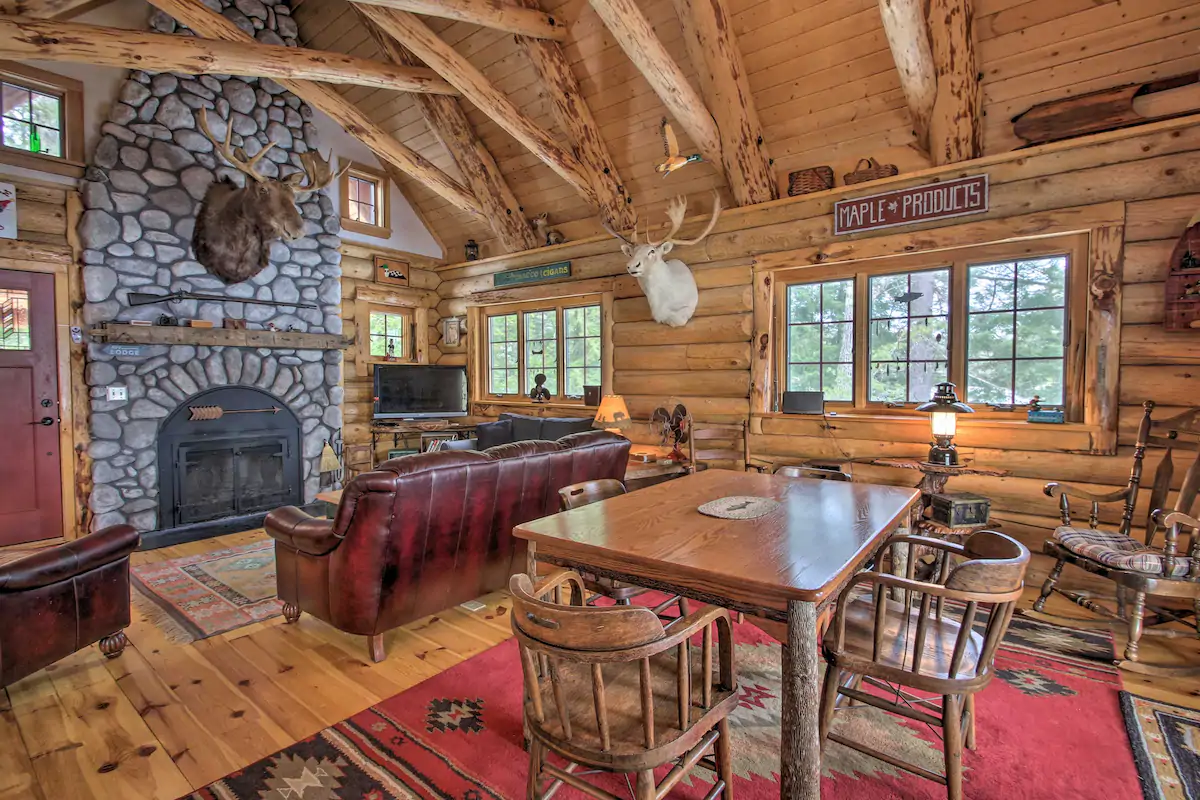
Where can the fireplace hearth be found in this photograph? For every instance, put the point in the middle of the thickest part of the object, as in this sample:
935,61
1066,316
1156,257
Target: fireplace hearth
228,452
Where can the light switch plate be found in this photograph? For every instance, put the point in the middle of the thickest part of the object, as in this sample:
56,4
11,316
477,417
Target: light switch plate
118,393
473,605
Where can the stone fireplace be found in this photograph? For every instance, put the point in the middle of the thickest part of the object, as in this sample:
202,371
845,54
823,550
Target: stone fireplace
156,465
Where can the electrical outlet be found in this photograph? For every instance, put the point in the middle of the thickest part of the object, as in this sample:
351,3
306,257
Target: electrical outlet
118,393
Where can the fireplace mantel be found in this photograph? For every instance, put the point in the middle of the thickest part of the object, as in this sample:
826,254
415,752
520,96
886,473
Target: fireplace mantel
219,337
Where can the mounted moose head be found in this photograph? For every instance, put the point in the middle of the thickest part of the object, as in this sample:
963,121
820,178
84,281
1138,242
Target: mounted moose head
236,225
668,285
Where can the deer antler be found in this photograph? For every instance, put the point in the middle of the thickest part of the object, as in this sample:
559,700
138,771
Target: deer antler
612,232
676,209
317,173
676,215
237,159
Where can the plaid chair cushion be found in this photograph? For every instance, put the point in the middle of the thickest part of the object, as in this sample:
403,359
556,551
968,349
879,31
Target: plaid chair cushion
1118,551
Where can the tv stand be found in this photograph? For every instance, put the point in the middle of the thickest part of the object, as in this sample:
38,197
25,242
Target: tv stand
429,430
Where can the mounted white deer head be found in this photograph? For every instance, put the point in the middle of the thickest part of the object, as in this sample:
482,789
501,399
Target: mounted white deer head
668,285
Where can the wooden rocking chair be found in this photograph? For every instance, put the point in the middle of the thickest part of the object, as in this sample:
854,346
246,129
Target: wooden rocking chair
1143,568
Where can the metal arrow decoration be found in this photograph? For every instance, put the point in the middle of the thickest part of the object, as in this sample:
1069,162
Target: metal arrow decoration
204,413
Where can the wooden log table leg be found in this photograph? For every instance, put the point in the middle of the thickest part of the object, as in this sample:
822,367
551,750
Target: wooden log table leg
800,748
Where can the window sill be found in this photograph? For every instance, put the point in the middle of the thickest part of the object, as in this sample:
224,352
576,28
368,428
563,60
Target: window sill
376,231
502,401
34,161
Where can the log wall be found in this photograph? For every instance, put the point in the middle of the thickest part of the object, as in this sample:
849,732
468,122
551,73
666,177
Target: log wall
1153,171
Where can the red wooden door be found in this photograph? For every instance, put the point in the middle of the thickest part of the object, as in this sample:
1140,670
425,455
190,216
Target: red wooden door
30,480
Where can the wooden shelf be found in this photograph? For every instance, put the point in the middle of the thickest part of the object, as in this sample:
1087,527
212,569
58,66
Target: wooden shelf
219,337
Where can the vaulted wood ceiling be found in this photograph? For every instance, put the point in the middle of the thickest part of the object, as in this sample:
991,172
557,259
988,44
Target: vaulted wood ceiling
821,74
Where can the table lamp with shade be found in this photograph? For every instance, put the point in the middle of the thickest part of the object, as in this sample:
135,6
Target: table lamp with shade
943,410
613,414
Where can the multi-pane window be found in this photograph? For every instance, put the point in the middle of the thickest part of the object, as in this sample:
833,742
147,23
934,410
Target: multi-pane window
541,348
909,338
389,334
14,319
562,340
32,120
362,200
995,320
820,339
504,350
1016,328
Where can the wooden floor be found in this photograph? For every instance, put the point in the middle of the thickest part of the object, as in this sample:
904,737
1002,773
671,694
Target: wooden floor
164,719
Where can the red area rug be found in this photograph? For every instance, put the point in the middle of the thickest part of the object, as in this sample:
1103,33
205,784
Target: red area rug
200,596
1050,726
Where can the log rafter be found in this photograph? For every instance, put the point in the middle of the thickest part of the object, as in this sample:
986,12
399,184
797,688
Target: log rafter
450,125
713,48
26,38
415,35
574,118
209,24
505,16
956,124
641,44
907,33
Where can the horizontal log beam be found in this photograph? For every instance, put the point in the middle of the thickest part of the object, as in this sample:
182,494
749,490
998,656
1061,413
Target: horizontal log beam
25,38
488,13
212,25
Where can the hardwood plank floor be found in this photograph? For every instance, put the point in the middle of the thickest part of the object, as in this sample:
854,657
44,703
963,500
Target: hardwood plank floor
165,719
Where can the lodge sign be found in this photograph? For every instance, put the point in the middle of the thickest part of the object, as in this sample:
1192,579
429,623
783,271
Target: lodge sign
548,272
954,198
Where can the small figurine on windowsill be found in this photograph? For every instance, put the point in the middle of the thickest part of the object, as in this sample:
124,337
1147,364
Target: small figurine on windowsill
391,350
539,393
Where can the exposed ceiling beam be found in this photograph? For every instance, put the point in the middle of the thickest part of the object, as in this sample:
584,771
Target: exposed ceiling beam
574,118
497,14
450,125
48,9
713,48
24,38
907,33
410,31
208,23
636,37
956,125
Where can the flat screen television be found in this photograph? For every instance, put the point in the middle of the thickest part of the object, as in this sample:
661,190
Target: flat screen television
408,391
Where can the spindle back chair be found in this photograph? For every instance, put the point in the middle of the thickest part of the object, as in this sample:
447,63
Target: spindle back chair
1140,563
615,689
940,638
817,473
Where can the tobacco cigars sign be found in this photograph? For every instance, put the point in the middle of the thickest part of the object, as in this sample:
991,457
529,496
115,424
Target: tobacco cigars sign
543,274
933,201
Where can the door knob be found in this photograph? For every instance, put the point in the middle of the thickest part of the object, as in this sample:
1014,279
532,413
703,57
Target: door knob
45,421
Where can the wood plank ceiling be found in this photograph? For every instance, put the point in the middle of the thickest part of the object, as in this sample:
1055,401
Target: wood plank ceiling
820,72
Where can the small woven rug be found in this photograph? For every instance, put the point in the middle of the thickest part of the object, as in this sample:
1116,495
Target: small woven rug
1166,746
1049,727
203,595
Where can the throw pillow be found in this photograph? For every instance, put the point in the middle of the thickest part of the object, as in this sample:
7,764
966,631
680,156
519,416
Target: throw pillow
525,429
491,434
554,429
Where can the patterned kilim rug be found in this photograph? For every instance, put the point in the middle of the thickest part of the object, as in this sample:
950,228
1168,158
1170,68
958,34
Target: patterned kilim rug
200,596
1166,744
1050,727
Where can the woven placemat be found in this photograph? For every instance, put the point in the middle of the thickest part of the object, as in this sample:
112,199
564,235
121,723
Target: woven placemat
739,507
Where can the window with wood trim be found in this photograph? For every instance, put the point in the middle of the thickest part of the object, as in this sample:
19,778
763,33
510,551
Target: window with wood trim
363,194
41,119
392,327
1003,322
562,339
390,334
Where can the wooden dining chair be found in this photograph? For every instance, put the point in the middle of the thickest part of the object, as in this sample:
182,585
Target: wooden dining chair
940,639
818,473
613,689
585,493
717,446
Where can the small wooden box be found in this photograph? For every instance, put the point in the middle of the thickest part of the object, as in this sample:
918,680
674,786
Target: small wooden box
959,509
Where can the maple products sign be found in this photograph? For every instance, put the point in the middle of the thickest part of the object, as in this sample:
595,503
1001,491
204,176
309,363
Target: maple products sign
955,198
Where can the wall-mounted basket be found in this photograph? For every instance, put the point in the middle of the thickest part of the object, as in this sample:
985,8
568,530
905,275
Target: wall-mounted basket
871,172
807,181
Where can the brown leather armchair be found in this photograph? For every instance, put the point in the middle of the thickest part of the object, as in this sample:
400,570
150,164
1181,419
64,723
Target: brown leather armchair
61,599
422,533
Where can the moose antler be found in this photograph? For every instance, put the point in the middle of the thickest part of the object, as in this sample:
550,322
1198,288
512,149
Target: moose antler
238,159
317,173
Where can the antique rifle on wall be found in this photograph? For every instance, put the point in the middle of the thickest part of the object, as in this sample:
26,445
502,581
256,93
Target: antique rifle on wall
146,299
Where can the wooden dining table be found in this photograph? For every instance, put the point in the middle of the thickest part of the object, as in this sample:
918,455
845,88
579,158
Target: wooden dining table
785,566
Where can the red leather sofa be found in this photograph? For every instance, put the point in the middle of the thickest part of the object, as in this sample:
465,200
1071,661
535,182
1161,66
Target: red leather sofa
61,599
422,533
